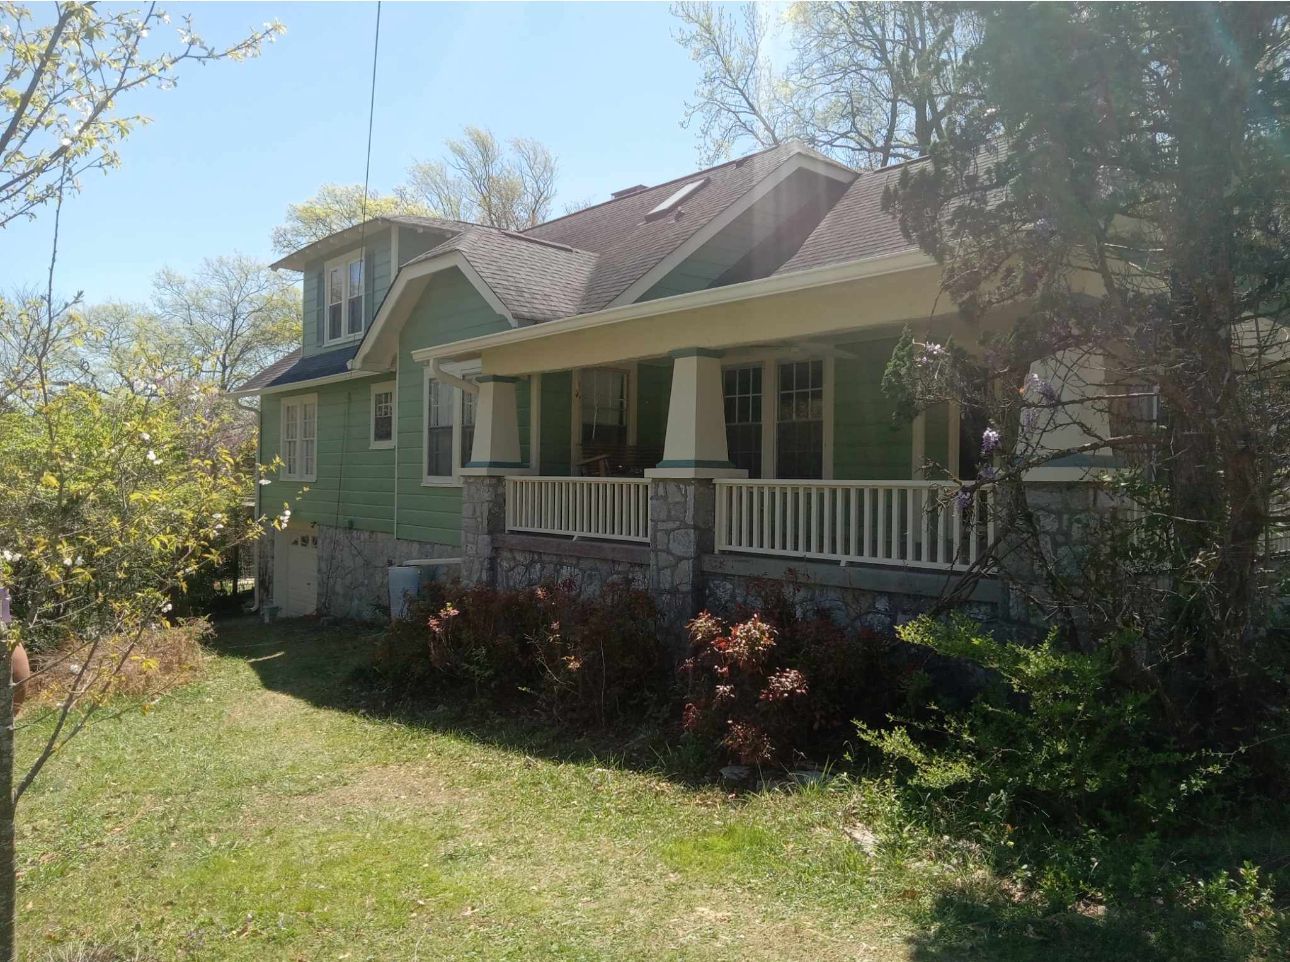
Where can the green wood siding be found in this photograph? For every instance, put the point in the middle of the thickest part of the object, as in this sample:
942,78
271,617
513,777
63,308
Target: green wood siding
355,484
449,310
377,276
556,431
867,444
652,394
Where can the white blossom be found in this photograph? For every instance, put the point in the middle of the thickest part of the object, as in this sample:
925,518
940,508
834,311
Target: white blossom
264,481
152,456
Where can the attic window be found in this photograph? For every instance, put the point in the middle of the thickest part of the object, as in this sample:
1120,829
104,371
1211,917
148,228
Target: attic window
675,199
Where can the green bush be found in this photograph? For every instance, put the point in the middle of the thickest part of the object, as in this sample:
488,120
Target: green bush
578,660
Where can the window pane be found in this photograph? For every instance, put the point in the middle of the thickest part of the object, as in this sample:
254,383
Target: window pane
743,418
604,406
354,318
383,416
469,404
438,430
799,433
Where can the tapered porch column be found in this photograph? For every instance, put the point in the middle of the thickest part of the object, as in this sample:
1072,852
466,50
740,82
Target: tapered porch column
494,453
496,449
695,446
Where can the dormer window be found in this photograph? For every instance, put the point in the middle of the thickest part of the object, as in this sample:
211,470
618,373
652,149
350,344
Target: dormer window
344,282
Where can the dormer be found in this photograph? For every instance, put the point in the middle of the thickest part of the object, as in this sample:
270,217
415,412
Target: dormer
346,275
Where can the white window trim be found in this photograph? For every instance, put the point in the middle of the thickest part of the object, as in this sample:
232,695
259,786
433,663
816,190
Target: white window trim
296,401
444,480
343,263
770,362
386,387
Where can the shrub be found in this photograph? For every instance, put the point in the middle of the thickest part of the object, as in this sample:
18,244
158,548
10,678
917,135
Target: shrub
779,685
581,660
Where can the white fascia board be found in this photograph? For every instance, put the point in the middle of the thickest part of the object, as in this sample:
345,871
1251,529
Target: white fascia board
877,266
398,304
793,163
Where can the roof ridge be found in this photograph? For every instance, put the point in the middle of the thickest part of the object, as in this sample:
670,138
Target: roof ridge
665,183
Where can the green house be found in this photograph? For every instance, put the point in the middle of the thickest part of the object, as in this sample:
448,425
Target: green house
680,386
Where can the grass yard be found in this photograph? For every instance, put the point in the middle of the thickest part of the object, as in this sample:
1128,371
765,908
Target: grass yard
261,813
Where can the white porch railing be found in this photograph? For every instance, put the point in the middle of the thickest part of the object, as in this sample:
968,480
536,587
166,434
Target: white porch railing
613,508
908,523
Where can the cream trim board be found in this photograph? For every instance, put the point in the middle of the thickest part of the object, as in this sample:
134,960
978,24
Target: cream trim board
289,407
868,267
795,162
402,296
392,389
535,423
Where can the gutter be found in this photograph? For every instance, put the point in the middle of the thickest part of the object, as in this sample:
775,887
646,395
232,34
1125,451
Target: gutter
763,287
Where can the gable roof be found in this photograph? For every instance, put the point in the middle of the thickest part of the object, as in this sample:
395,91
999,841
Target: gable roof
536,280
629,246
324,247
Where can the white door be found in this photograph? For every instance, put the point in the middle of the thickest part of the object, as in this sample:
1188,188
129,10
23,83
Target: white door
300,556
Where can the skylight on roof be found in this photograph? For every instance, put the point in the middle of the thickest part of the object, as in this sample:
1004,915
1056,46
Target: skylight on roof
674,200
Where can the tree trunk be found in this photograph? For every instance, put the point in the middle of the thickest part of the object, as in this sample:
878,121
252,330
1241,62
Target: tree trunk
8,855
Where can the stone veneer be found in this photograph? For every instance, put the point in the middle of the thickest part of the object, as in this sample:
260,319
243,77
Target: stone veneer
352,577
683,520
522,561
483,517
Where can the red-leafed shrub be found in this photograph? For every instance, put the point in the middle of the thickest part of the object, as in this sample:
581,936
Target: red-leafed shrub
587,661
778,685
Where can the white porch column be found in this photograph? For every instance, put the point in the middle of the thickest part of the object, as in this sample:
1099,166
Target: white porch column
497,428
695,446
1068,376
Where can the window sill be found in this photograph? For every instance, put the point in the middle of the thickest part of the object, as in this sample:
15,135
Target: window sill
380,445
337,342
300,478
441,482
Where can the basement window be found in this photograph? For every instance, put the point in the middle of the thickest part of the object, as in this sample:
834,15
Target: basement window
674,200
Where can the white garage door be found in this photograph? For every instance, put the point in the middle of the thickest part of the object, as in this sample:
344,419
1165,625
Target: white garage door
301,575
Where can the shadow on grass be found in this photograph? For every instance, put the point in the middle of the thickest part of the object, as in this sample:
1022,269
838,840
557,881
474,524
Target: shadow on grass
331,667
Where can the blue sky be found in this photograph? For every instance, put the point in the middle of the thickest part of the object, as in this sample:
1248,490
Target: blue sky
602,84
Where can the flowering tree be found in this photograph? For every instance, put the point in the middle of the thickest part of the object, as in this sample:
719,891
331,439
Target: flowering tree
62,84
1120,186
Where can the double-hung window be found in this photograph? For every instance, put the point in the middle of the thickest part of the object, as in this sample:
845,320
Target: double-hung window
743,395
382,435
300,438
344,298
799,420
604,406
449,431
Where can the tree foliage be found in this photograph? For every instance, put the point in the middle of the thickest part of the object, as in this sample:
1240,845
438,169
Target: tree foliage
334,208
63,82
1133,152
868,83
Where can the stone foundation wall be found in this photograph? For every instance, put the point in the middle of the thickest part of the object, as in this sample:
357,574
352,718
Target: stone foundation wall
855,597
524,561
352,580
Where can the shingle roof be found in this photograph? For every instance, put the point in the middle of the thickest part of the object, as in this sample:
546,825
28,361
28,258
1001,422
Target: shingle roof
855,227
629,246
296,260
292,368
537,280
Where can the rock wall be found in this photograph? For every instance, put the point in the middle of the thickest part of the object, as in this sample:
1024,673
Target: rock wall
352,580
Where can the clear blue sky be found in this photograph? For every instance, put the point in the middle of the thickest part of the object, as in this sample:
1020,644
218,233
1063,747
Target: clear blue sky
603,85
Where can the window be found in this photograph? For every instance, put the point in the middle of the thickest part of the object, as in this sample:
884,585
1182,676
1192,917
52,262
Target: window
469,404
440,401
344,298
799,417
604,407
383,415
300,438
743,393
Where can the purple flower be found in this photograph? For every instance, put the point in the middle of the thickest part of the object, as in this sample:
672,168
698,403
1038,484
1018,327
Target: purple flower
963,499
987,472
990,441
1029,418
931,354
1041,387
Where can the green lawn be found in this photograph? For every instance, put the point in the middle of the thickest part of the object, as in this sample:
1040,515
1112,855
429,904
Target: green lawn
261,813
